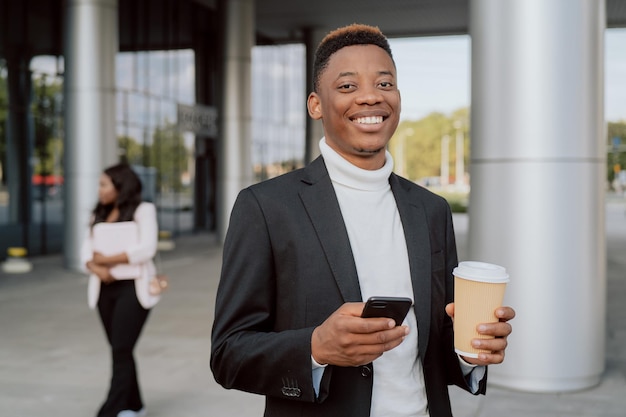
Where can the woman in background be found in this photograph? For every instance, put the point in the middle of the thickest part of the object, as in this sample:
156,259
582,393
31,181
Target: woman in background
123,301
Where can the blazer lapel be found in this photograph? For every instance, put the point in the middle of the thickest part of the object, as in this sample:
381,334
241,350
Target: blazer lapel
415,225
321,204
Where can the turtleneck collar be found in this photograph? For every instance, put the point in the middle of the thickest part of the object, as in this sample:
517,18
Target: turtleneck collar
343,172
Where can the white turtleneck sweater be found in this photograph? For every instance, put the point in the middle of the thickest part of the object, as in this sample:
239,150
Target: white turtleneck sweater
377,240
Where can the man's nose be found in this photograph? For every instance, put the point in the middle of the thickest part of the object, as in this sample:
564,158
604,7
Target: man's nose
369,95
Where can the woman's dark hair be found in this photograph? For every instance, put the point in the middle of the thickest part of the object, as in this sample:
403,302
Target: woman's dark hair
128,186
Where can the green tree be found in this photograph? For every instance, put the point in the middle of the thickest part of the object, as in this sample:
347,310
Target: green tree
615,130
46,109
4,109
169,155
131,151
420,151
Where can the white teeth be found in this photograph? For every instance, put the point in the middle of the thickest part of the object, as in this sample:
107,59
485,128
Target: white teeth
370,120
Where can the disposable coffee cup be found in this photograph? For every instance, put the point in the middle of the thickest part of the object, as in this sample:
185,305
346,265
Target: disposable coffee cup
478,291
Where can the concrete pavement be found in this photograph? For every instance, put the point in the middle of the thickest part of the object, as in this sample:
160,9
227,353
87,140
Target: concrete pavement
54,360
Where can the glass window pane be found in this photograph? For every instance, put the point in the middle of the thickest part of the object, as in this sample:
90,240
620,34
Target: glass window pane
125,69
4,111
169,113
278,109
185,77
150,86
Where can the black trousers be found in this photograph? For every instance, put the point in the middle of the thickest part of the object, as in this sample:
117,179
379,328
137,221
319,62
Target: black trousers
123,318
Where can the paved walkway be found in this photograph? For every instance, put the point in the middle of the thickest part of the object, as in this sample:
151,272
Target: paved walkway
54,359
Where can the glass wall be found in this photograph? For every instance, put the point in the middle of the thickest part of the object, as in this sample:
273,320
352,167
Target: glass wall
31,154
47,152
150,86
4,111
278,109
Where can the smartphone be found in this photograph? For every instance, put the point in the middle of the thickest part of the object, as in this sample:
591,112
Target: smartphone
395,308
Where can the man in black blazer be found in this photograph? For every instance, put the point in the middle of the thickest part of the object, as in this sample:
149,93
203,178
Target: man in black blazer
287,318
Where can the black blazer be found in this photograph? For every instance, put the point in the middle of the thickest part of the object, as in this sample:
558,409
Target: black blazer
288,265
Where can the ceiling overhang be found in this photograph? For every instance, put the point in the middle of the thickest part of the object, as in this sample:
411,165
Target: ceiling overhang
285,21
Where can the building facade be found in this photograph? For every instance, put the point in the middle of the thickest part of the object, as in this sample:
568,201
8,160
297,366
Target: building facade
126,67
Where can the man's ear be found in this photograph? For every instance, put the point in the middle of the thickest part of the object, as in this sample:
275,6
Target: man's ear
314,106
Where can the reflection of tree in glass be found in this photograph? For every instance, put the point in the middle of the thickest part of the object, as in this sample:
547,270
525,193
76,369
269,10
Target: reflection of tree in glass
170,156
46,109
130,151
4,103
166,152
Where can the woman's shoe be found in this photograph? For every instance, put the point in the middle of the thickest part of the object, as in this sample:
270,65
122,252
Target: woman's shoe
130,413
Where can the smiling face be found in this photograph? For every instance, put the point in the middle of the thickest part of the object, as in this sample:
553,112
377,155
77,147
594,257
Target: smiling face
359,104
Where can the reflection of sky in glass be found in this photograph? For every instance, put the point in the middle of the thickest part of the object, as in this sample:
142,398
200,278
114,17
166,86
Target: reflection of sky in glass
121,107
169,74
168,112
46,64
278,103
149,87
615,75
124,71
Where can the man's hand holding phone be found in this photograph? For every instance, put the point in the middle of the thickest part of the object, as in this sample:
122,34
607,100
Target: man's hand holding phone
346,338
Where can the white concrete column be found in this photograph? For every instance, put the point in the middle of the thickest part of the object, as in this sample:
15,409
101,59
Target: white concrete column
537,183
235,170
91,45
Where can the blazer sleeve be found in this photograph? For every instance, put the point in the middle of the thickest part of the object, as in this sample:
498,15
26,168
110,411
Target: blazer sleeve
248,352
145,217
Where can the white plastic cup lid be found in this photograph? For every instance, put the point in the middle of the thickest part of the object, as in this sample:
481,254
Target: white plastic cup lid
481,271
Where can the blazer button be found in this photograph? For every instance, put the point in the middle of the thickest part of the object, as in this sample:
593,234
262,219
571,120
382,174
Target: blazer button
366,371
291,392
290,388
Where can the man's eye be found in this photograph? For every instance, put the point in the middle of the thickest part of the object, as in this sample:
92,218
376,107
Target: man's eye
386,84
345,86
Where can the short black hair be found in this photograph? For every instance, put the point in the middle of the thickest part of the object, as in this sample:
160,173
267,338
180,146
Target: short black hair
354,34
